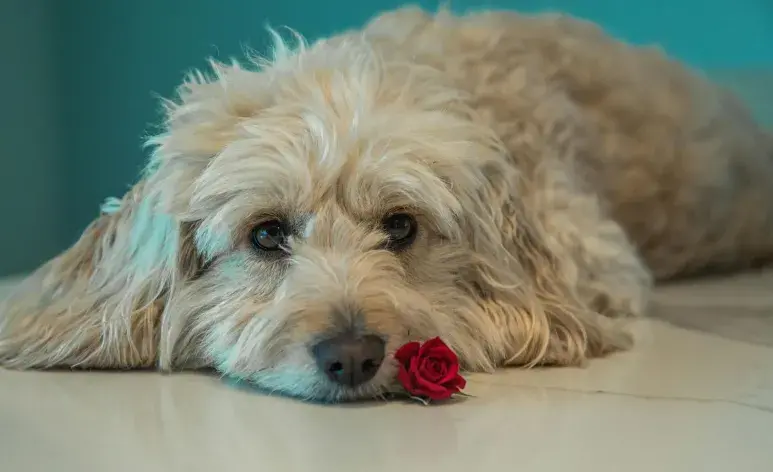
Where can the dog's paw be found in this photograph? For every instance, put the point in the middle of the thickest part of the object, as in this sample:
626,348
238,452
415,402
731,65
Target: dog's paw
616,306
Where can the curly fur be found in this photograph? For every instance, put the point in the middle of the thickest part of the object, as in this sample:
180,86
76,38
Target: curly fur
555,173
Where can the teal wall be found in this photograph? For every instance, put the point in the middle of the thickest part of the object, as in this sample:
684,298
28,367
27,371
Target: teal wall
97,64
31,162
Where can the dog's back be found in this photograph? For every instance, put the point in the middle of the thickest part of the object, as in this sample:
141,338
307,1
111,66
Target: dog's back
678,161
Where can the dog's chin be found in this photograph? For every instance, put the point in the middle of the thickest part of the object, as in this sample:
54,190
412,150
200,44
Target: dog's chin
315,388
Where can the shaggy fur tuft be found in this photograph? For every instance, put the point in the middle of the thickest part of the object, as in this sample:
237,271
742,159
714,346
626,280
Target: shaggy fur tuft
554,174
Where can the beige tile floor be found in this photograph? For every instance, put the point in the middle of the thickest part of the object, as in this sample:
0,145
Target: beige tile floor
696,394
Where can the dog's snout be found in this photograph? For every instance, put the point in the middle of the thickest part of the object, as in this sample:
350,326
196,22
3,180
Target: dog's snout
348,359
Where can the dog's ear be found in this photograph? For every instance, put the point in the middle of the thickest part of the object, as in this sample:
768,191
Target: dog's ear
526,281
101,303
204,119
527,286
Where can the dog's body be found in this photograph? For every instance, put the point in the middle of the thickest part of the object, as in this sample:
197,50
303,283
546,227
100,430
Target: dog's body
548,174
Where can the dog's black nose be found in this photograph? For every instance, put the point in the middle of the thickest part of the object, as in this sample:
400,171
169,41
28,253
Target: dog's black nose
348,359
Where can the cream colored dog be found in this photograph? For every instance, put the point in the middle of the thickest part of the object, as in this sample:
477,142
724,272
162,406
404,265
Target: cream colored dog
509,183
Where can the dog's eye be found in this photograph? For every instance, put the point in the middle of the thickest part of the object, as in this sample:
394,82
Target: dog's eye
401,229
270,236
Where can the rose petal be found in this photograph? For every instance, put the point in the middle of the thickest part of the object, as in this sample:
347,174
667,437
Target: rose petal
431,344
411,384
406,352
451,372
428,370
405,378
444,355
458,383
413,364
441,353
419,383
436,348
429,389
439,368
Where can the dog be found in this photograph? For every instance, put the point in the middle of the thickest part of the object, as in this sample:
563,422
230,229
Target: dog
513,184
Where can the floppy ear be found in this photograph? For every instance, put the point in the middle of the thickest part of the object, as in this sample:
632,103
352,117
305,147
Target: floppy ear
526,283
534,233
101,303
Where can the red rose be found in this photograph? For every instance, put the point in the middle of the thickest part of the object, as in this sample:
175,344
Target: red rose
429,370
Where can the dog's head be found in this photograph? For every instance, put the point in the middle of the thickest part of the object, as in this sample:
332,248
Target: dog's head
328,198
296,225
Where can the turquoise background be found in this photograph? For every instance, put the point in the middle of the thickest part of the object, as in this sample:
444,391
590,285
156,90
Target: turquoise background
79,79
